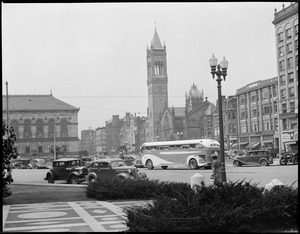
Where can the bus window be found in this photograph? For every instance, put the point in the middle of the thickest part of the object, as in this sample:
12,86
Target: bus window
192,146
198,146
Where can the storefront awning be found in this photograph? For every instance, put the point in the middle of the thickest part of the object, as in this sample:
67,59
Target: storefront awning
241,144
252,145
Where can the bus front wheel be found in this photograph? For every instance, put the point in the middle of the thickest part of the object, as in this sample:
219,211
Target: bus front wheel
193,164
149,164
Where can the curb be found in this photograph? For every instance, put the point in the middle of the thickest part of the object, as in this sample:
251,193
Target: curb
59,185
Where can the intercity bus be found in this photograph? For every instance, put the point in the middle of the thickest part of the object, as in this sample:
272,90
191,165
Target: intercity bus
193,153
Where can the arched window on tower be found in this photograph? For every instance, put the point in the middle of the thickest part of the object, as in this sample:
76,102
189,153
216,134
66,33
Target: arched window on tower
63,128
27,128
39,128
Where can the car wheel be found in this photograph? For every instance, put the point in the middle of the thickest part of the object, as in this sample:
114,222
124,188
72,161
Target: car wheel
119,178
236,163
92,179
264,163
149,165
193,164
295,160
282,161
74,180
164,167
50,179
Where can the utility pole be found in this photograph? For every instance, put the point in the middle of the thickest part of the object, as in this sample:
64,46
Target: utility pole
7,109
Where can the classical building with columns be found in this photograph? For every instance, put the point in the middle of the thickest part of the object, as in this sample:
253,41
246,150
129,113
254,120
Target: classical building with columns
40,122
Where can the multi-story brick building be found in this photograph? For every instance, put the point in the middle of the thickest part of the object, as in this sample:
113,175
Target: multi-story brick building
40,122
88,141
257,113
112,130
100,141
286,35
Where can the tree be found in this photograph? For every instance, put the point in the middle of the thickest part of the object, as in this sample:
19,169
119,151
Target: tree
8,153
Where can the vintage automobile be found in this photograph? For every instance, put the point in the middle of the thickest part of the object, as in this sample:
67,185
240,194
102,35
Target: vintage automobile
114,169
290,152
38,163
133,160
69,169
254,157
21,164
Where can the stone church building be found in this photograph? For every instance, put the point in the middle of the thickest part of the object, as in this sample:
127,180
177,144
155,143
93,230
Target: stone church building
173,123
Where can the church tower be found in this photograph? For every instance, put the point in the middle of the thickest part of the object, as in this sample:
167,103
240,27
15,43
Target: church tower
157,83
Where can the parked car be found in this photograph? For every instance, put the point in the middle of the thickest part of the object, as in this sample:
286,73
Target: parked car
38,163
133,160
69,169
113,168
21,164
290,152
254,157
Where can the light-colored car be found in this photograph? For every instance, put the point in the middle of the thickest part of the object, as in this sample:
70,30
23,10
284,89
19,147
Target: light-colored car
254,157
134,160
38,163
113,169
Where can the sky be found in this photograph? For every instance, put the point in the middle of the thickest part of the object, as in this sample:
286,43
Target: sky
93,55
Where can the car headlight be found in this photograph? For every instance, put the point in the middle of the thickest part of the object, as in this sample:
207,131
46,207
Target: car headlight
80,171
129,171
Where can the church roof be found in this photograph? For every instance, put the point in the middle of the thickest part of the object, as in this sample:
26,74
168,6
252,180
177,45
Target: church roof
35,103
210,109
155,41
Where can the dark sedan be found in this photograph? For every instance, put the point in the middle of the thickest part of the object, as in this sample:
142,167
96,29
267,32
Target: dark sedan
112,168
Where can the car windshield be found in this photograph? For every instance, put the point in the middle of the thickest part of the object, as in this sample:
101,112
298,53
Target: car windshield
73,163
117,163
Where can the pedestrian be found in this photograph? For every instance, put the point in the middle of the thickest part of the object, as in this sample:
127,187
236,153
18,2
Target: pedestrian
216,168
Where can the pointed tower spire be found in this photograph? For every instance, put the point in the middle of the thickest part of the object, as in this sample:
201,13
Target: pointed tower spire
155,41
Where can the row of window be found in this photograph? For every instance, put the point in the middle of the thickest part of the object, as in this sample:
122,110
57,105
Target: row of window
254,96
289,48
41,149
282,78
288,33
290,64
39,133
291,93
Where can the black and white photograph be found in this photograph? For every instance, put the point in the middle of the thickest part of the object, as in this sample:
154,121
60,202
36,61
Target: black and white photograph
150,116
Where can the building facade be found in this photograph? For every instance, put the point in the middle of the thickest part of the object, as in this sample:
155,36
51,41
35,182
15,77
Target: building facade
157,83
257,113
112,131
100,141
41,122
230,121
286,36
88,141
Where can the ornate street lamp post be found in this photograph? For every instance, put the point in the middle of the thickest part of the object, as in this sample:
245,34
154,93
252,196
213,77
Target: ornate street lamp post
220,72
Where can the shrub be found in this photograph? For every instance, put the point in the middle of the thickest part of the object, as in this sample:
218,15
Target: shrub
8,152
176,207
234,207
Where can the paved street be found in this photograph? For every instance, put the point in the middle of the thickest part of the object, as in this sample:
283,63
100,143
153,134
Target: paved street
83,216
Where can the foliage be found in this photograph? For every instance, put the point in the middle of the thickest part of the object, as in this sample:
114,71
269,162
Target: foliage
234,207
8,153
176,207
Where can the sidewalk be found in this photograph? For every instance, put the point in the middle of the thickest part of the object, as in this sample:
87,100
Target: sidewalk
80,216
